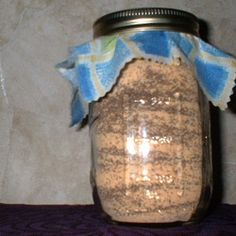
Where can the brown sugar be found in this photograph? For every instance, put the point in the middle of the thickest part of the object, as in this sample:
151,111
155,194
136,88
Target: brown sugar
147,144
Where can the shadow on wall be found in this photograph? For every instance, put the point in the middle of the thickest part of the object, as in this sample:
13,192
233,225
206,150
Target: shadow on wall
216,137
232,103
216,156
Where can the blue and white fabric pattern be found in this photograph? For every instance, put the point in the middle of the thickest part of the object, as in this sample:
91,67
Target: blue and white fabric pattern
93,67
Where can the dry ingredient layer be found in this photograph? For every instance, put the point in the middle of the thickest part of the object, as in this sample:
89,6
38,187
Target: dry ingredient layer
147,142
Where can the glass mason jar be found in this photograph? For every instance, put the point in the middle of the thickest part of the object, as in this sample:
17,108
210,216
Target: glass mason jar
150,134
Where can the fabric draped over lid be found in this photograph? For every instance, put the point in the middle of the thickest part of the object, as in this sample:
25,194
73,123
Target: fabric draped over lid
93,68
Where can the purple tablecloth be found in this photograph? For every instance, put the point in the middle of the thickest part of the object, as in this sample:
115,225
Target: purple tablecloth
87,220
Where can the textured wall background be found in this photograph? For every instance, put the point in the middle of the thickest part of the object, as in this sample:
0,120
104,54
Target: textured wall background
41,159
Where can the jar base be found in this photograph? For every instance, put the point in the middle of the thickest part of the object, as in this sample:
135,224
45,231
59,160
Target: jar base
148,224
149,220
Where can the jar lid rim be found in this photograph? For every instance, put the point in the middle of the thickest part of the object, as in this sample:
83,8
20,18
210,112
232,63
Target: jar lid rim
160,18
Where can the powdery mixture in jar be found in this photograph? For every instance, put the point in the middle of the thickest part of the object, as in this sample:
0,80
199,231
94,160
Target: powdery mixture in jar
147,144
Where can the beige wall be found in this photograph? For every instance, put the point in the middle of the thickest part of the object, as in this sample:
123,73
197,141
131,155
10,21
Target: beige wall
41,159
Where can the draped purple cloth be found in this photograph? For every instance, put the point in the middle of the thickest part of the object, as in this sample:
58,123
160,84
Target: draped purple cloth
88,220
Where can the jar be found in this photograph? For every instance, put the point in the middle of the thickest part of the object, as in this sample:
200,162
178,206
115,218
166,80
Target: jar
150,134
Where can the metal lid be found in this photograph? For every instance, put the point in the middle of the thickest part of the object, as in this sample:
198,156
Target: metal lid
146,19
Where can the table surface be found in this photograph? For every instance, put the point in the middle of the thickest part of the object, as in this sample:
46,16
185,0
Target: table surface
88,220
